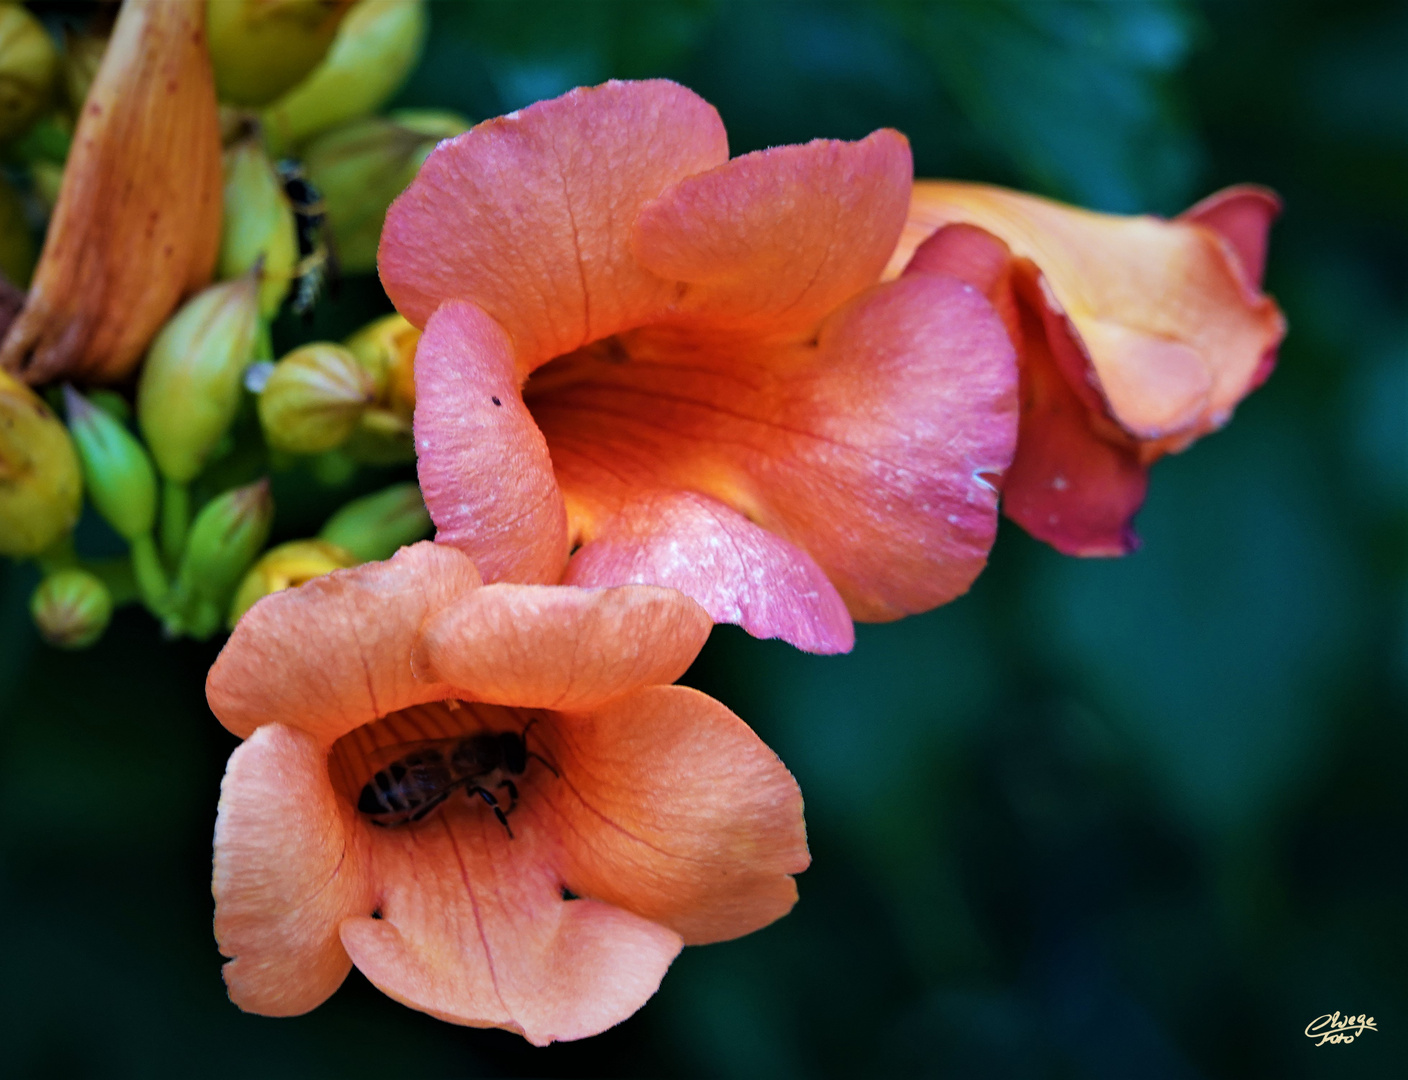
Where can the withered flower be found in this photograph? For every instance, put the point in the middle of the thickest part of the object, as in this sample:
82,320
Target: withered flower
137,223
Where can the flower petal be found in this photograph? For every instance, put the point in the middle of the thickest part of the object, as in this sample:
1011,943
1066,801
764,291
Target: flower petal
335,653
529,215
1242,215
288,870
738,572
673,808
776,239
483,464
556,647
1162,309
474,929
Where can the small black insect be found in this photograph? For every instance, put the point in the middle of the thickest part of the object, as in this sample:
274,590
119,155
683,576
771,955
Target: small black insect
317,264
429,772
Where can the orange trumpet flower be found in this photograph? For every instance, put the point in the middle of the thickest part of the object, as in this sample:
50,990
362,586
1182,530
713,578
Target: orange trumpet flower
597,820
137,223
645,362
1135,337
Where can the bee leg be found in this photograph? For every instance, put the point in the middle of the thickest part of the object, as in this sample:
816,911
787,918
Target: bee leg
488,797
430,805
550,767
512,793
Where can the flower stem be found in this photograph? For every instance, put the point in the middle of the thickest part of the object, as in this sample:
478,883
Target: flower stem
151,578
175,520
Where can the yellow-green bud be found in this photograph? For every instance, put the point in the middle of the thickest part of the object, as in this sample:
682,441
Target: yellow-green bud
259,224
41,488
375,49
191,383
224,539
360,167
381,438
387,348
71,608
313,399
28,63
116,470
17,247
260,48
285,567
376,526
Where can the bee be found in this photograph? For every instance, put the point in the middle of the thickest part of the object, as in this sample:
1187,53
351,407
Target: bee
427,773
316,262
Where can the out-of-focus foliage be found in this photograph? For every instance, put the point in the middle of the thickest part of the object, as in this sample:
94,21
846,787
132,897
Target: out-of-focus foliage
1097,819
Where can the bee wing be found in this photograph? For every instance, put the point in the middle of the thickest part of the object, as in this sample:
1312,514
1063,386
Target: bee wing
379,759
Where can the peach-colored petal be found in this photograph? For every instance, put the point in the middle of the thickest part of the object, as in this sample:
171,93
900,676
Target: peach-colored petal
474,929
670,806
1172,331
484,467
288,869
737,571
555,647
776,239
529,215
335,653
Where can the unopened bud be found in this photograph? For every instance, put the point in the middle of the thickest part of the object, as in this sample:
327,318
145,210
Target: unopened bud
375,49
260,48
41,488
376,526
313,399
382,438
387,348
28,63
259,229
191,383
361,167
71,608
116,470
285,567
226,536
17,247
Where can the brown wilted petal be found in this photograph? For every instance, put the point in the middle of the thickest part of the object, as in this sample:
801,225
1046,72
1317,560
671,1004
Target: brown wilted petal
137,224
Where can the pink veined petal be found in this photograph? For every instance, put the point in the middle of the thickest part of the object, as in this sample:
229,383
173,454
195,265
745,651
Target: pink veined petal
776,239
529,215
738,572
483,464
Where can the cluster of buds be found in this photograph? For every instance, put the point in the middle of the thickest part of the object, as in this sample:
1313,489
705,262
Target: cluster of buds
213,145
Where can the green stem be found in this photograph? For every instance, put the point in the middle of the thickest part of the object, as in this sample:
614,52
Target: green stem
116,573
175,520
151,578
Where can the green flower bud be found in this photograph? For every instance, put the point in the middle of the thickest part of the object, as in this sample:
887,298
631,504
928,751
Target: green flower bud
191,383
259,224
118,474
375,49
225,538
112,403
381,438
260,48
362,166
41,488
17,247
286,567
313,399
71,608
28,63
376,526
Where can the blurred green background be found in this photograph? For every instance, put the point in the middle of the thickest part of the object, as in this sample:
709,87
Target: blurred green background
1144,818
